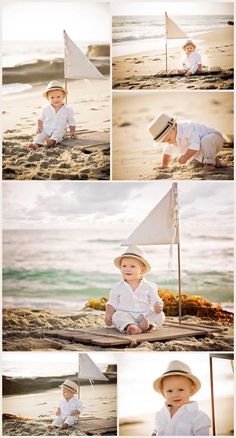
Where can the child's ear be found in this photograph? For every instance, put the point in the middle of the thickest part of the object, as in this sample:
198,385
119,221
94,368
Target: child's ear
193,388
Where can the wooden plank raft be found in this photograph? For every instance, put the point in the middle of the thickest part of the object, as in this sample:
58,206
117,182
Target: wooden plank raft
98,426
108,337
205,71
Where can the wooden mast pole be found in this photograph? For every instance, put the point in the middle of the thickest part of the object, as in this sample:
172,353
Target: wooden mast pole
212,399
166,37
65,61
176,219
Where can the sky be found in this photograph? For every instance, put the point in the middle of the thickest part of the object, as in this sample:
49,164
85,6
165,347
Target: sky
51,205
172,8
46,20
27,364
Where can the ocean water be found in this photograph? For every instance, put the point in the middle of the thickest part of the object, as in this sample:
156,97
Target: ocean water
134,34
62,269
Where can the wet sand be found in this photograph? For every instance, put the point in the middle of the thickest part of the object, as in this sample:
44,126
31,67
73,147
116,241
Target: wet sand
139,71
25,330
135,157
85,158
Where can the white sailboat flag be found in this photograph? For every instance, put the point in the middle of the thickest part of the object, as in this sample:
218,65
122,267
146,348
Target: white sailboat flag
76,64
88,369
173,31
161,226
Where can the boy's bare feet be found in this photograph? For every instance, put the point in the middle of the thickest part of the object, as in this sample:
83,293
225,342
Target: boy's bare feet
64,426
33,145
209,167
143,323
133,329
218,163
49,141
51,427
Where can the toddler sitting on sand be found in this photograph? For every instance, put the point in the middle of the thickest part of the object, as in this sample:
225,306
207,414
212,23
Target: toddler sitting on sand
134,305
180,416
192,61
191,140
70,407
54,118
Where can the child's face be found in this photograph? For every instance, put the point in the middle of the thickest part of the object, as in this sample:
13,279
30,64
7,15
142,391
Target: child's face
67,394
131,269
56,97
171,136
177,390
189,49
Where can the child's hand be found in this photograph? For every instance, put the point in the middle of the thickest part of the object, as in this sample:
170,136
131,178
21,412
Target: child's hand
73,135
73,413
108,320
58,412
158,307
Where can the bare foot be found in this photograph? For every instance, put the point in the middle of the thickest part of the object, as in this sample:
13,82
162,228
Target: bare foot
64,426
33,145
133,329
143,323
209,167
51,427
218,163
49,141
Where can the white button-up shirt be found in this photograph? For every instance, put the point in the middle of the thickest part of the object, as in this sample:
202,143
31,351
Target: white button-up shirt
140,300
192,61
67,407
189,135
53,120
188,420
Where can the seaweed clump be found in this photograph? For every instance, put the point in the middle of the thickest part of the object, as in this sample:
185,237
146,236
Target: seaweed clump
192,305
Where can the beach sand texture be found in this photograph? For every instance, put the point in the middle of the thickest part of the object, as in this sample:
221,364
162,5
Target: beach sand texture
24,330
39,408
138,71
69,159
134,156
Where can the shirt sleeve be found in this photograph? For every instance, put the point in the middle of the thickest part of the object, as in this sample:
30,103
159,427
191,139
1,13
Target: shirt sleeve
79,405
201,425
42,114
168,149
154,294
70,117
113,298
193,138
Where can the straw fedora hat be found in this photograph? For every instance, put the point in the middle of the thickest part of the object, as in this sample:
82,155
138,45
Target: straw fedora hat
68,384
177,368
54,85
188,43
135,253
161,126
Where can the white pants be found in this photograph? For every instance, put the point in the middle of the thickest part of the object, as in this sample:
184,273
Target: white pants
70,420
121,319
210,145
57,135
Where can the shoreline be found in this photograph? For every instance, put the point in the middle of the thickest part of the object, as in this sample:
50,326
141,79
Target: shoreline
25,330
139,70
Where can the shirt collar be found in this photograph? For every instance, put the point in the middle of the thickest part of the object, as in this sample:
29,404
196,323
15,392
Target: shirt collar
142,282
188,407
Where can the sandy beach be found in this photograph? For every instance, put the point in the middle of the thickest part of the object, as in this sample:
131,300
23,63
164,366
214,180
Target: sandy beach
85,158
134,155
25,330
142,425
35,411
140,71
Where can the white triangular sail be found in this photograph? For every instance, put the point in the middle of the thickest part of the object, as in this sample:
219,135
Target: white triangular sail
76,64
173,31
88,369
161,226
